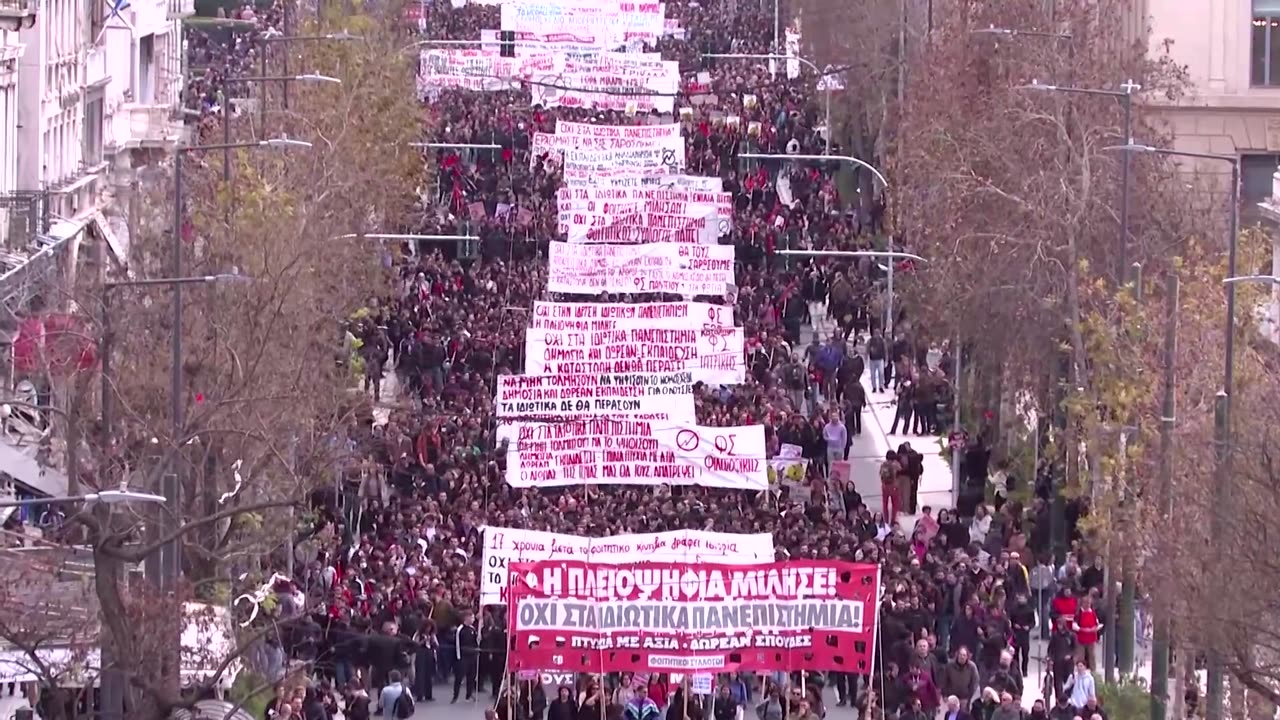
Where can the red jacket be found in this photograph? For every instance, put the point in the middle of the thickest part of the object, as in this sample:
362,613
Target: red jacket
1064,606
1085,620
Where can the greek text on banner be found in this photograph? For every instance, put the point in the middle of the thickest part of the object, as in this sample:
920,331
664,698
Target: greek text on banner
625,451
655,267
803,614
546,396
615,316
503,546
711,353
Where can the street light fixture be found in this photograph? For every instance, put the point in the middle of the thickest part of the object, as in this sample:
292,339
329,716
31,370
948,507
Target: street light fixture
797,58
1263,279
177,398
409,236
1014,32
1222,407
262,106
274,35
106,497
862,164
820,158
461,146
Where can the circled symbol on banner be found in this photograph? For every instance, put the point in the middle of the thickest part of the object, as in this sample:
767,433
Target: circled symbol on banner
725,443
724,226
687,440
669,158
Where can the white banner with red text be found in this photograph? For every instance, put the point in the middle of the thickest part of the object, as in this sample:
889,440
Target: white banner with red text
692,617
618,21
660,178
478,70
553,397
603,90
609,138
644,222
589,199
658,267
504,546
624,316
583,177
528,43
627,451
711,353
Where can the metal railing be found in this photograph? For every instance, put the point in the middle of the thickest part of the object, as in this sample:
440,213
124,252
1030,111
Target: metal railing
11,8
25,216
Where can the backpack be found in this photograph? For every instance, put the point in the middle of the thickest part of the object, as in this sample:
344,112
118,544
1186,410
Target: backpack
403,707
889,472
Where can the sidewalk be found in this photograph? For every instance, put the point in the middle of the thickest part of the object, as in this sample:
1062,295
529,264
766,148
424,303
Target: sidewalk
868,450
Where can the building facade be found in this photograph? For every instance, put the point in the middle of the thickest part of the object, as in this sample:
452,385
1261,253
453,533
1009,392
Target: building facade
1231,49
89,91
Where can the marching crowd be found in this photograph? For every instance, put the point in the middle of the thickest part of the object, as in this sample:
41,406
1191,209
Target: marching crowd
388,589
222,50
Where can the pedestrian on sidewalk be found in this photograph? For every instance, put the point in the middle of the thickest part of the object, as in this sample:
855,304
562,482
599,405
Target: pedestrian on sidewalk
854,403
913,466
837,437
904,409
875,356
890,501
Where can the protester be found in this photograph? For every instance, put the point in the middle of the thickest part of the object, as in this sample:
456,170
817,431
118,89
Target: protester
400,537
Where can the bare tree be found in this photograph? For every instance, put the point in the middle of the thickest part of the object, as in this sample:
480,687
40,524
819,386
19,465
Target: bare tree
268,400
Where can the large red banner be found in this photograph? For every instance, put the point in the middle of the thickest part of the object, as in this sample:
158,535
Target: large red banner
696,617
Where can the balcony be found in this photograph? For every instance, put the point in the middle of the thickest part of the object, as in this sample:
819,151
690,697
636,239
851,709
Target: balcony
18,14
179,9
146,126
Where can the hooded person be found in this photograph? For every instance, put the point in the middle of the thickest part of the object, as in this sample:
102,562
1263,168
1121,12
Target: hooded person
640,706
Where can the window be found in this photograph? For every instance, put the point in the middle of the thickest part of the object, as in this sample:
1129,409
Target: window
1264,58
146,70
97,19
93,135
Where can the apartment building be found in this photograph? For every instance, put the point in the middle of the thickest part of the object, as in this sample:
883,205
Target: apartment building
89,90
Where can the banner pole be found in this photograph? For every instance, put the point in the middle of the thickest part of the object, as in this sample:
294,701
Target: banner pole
511,698
877,642
529,696
684,694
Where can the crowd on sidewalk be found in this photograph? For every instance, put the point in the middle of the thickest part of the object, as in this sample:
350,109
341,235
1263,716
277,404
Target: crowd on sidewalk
385,597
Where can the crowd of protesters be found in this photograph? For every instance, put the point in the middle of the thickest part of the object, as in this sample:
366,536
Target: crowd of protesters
217,51
388,587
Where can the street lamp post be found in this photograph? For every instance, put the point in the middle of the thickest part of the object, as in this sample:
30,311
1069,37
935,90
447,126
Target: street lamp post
107,344
1016,32
262,105
1222,415
106,497
460,240
458,146
169,561
1125,96
279,37
1110,638
817,73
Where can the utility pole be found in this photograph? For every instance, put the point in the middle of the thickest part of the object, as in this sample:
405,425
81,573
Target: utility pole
1163,631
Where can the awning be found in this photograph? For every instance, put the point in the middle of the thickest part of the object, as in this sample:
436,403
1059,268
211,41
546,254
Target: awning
115,232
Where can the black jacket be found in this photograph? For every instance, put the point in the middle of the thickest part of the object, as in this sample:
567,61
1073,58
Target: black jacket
467,642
